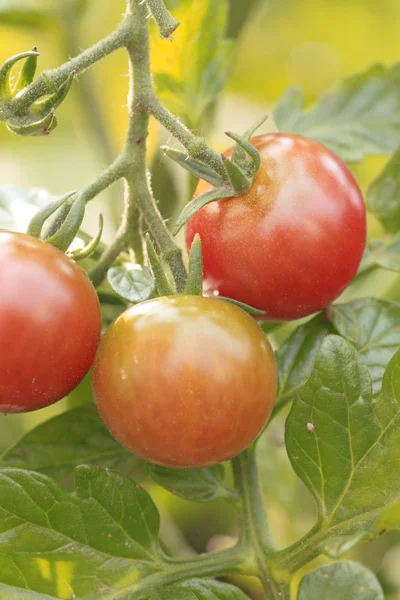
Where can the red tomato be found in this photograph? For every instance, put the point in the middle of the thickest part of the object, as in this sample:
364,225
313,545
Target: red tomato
184,381
294,242
49,323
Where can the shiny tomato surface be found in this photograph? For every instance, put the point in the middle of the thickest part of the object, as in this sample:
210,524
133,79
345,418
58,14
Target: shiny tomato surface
184,381
294,242
49,323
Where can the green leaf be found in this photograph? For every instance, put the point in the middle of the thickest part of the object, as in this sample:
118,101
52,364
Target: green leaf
339,545
346,580
344,444
373,326
81,545
296,357
202,589
60,444
382,253
200,485
190,73
383,196
132,282
359,118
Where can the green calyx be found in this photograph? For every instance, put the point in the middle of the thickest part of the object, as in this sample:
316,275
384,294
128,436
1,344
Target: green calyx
68,228
194,283
91,246
7,90
39,118
241,170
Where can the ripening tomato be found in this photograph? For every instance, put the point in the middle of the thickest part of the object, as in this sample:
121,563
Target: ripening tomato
294,241
50,323
184,382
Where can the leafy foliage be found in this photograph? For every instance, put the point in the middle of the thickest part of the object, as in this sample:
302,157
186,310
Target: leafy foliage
65,552
373,326
383,196
359,118
345,580
201,485
336,427
202,589
132,282
73,438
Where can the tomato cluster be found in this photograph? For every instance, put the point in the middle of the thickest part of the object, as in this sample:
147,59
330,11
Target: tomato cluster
188,381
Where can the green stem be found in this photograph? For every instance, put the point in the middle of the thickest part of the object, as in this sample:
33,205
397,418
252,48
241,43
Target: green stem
302,552
134,152
215,564
50,81
254,520
196,146
165,21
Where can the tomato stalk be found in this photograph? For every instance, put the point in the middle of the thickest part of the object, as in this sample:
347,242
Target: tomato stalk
165,21
254,520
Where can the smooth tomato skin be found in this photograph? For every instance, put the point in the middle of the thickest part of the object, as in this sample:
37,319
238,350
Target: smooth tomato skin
50,323
184,382
293,243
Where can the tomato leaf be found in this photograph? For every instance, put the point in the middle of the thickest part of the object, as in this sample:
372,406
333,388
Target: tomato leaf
199,485
132,282
383,197
296,356
190,73
359,118
60,444
202,589
346,580
52,543
373,327
336,427
382,253
339,545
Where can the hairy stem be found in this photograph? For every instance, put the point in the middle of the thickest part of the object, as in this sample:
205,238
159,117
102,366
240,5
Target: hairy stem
134,152
254,520
165,21
196,146
50,81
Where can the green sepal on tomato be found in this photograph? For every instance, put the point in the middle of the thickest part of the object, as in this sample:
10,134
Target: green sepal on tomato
50,323
294,241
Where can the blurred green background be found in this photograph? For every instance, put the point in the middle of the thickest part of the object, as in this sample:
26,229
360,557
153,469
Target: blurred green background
313,44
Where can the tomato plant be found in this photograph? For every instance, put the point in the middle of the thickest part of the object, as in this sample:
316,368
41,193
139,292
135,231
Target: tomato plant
205,388
213,389
297,235
49,323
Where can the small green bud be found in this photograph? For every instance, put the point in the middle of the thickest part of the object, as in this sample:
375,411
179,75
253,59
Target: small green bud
36,128
5,73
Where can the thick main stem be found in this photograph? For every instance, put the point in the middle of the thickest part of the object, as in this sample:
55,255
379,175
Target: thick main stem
254,519
134,152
